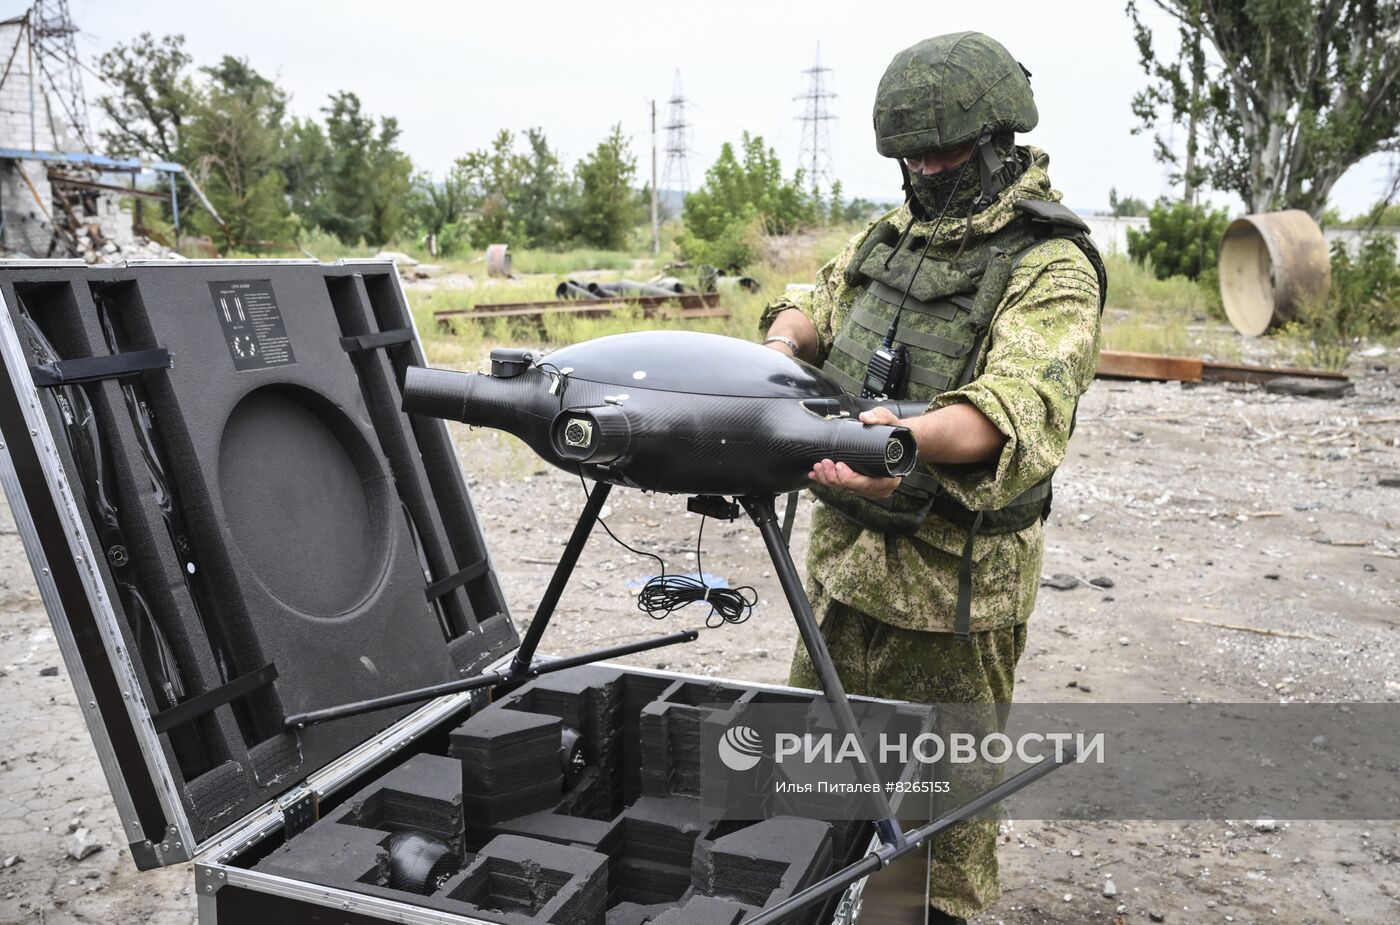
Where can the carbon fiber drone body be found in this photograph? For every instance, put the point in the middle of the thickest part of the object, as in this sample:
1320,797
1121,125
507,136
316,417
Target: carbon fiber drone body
670,411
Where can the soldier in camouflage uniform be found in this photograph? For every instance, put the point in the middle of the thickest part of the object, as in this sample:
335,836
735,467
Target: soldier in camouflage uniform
924,586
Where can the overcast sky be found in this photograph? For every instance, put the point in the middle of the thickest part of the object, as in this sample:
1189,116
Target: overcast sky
455,73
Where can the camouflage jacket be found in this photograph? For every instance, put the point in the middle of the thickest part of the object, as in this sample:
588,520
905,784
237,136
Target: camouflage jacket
1038,358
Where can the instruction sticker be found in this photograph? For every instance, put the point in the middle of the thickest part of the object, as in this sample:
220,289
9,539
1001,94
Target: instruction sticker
252,324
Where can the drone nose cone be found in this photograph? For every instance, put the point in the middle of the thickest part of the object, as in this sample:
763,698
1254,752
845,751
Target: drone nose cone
439,393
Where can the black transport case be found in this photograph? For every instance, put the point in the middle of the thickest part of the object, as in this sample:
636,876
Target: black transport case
230,520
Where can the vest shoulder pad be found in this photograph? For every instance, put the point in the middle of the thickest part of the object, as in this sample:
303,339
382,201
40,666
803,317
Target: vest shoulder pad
1051,213
1060,221
883,233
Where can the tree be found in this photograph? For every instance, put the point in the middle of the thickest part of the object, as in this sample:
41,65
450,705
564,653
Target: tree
1303,89
491,179
1128,205
234,145
366,178
306,162
543,196
1181,239
500,194
835,208
739,195
438,208
607,208
152,99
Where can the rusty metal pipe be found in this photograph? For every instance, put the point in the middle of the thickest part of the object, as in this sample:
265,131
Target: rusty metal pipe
1271,264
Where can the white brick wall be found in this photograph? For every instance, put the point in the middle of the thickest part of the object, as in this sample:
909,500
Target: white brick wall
26,227
15,129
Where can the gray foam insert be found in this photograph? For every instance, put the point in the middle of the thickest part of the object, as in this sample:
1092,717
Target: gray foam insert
521,878
704,910
765,862
423,794
656,859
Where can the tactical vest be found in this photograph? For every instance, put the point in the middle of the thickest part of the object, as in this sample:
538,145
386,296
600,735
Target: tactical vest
946,315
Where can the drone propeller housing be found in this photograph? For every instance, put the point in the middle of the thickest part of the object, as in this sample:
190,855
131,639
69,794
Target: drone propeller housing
671,411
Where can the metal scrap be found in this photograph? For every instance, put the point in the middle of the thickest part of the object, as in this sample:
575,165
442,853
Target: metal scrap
685,306
1153,367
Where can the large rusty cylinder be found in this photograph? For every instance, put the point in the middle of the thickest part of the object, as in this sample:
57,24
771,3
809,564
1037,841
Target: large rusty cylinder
1272,265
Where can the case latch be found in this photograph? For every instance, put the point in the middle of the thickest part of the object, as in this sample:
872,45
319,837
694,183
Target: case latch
299,808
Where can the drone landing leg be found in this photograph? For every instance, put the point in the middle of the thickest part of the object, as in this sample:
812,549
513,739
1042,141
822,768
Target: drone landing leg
577,540
521,667
761,510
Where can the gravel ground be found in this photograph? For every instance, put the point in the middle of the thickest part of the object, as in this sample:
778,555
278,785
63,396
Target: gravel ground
1217,503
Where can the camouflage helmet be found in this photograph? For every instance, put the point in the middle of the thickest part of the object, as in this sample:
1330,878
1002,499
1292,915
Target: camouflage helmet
940,92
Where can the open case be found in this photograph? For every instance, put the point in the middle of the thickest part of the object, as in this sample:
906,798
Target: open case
231,521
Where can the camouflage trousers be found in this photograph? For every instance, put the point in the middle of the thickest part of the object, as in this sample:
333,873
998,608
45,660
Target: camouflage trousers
881,660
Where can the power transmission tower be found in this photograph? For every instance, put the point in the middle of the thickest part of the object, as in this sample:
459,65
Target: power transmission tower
56,50
677,175
815,153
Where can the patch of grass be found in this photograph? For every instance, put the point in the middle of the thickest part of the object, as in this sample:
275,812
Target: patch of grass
1145,314
1166,332
562,263
1170,316
1303,345
327,247
1134,286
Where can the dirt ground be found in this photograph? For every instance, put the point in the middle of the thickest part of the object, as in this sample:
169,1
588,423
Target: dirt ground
1217,504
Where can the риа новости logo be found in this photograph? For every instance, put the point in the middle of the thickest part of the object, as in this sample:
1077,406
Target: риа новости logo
740,748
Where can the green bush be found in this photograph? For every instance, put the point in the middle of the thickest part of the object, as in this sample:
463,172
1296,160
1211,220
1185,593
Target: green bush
1180,240
1365,296
742,197
731,249
1364,302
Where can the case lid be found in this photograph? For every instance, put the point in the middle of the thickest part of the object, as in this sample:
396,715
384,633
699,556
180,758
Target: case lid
230,520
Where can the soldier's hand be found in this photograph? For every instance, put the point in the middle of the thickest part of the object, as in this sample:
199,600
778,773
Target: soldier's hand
880,415
840,475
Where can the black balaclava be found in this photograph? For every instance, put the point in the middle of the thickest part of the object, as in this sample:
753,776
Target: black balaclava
930,194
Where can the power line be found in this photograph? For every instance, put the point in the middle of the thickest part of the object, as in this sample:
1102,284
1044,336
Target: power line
677,174
52,33
815,153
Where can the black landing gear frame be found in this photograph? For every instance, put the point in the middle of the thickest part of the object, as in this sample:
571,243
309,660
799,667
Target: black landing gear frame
761,509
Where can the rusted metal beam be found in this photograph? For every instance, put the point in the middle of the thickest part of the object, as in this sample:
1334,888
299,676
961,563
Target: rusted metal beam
1243,372
65,180
685,300
1152,367
686,306
1118,364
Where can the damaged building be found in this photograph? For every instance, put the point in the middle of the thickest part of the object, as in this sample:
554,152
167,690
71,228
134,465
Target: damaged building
59,198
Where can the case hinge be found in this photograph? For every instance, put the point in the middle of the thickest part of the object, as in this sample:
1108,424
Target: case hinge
300,808
848,910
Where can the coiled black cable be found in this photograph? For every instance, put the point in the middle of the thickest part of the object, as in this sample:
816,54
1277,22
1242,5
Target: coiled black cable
663,594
